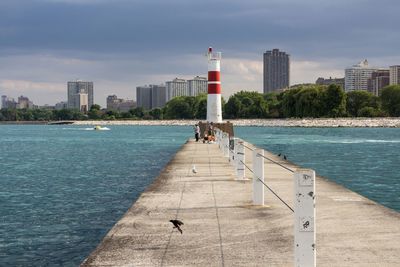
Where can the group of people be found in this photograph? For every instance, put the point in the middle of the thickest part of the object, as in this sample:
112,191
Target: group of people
208,135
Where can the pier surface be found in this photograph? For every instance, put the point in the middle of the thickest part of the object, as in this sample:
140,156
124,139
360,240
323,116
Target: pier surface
223,228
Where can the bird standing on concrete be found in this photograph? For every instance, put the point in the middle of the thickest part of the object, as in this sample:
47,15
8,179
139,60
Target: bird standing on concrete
279,154
177,224
194,169
284,157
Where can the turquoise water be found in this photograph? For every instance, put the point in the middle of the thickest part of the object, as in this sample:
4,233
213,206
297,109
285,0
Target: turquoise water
63,187
365,160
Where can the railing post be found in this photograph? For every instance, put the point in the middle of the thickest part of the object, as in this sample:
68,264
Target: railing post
258,169
226,144
232,157
304,218
241,160
217,137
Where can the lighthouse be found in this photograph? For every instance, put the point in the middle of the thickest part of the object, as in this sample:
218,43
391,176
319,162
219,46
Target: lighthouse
214,108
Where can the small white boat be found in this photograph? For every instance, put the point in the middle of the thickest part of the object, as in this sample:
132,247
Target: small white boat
99,128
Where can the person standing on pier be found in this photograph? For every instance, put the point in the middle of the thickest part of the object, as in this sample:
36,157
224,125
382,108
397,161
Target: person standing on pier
197,132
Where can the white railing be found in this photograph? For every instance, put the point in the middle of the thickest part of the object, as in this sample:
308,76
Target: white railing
304,193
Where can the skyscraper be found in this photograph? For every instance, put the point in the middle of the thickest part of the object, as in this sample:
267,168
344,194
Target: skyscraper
143,97
176,87
276,71
356,77
151,96
378,80
80,95
8,102
115,103
158,96
197,85
395,74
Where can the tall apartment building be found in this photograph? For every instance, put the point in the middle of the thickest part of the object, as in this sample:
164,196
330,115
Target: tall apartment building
143,97
197,85
337,81
158,96
24,103
378,80
394,74
61,105
80,95
151,96
276,71
356,77
8,102
176,87
115,103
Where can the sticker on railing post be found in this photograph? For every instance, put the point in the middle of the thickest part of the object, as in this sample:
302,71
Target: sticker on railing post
304,216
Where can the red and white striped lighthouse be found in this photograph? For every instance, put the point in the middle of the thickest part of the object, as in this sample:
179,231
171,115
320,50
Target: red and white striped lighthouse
214,109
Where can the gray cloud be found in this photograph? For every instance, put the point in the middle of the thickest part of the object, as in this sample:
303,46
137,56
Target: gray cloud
126,42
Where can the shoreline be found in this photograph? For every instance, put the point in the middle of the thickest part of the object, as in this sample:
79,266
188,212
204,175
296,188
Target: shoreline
323,123
306,123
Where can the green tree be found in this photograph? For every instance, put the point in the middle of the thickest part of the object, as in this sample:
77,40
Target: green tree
246,104
308,102
26,115
334,101
274,105
233,108
289,99
369,112
156,114
95,107
179,108
137,112
390,98
200,111
111,115
356,100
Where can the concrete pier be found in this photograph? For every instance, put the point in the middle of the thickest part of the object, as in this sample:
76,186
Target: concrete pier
223,228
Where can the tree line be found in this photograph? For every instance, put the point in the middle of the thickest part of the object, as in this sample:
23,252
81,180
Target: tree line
308,101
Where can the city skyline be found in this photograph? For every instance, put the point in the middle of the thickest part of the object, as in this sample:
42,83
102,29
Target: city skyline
42,47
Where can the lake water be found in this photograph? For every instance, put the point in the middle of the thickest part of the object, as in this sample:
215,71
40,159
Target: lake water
63,187
364,160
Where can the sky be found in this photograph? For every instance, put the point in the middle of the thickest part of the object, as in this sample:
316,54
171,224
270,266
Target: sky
121,44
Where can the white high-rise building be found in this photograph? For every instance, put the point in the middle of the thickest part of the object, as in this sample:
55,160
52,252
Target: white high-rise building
198,85
176,87
75,99
356,77
394,74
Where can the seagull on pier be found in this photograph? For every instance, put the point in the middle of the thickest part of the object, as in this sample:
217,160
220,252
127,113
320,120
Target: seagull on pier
177,224
194,169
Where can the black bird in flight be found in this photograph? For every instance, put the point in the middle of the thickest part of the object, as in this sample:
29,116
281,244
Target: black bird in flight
177,224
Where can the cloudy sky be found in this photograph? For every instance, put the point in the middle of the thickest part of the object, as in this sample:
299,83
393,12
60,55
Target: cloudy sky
121,44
